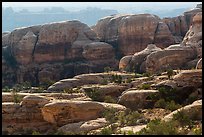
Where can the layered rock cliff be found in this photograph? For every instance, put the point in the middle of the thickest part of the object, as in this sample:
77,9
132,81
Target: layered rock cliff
132,33
68,48
179,56
54,51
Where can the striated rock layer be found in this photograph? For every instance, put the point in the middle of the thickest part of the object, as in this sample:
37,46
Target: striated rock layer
69,48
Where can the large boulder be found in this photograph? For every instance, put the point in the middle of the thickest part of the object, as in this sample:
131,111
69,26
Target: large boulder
136,99
172,57
64,112
83,126
133,63
189,78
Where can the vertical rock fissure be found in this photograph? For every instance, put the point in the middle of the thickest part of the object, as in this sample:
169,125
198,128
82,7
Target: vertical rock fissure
155,33
33,52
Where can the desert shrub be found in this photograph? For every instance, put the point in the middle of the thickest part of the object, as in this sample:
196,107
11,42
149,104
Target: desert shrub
126,117
146,74
158,127
94,94
6,89
16,97
170,73
116,78
161,103
106,131
104,82
110,115
182,118
128,80
107,69
46,83
144,86
137,75
197,130
36,133
169,94
132,117
172,105
109,99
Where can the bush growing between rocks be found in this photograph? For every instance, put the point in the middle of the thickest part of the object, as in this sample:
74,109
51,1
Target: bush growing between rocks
158,127
116,79
145,86
169,94
109,99
182,118
161,103
6,89
46,83
170,73
107,69
124,118
94,94
16,97
106,131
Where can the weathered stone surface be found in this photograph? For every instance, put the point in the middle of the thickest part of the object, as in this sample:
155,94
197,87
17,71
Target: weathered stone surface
163,36
136,31
24,50
124,62
5,39
173,56
136,99
194,111
85,79
65,112
133,63
98,51
113,91
189,78
55,40
194,35
33,100
132,128
18,119
39,50
199,64
128,32
84,126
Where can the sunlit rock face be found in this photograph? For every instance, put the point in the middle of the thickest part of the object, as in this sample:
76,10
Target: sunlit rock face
63,47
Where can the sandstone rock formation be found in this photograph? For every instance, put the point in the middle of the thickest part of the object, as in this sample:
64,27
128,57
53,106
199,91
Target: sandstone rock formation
83,79
131,33
193,111
83,126
194,36
133,63
136,99
199,64
136,31
16,118
174,56
68,45
114,91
